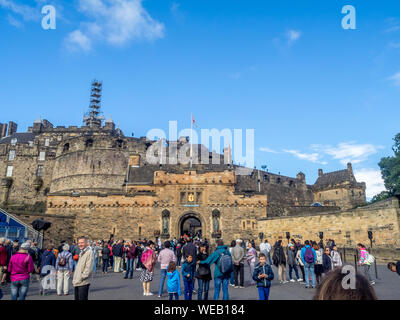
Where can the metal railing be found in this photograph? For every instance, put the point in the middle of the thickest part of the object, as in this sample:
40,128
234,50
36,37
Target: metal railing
22,233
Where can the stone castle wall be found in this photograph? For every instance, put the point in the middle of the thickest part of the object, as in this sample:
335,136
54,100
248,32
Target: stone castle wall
343,196
138,213
25,164
347,228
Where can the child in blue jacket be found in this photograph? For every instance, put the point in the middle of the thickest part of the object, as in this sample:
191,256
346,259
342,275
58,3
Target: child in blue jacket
263,275
173,281
188,275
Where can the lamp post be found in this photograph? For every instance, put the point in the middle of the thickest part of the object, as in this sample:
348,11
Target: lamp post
288,236
370,237
321,237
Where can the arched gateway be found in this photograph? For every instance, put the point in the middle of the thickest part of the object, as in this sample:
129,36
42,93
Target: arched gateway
190,224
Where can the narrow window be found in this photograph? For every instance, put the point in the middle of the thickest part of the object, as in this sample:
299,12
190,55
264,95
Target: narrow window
9,171
39,171
13,141
42,155
11,156
47,142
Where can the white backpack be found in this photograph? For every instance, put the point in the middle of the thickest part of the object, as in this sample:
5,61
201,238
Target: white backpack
370,259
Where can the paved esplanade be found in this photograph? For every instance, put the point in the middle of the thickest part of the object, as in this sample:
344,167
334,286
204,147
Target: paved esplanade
112,286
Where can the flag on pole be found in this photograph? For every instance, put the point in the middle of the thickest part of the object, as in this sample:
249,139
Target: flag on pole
194,122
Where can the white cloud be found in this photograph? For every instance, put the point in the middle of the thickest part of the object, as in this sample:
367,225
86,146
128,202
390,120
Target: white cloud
78,41
292,36
349,151
313,157
373,180
116,22
26,12
14,22
395,79
393,25
266,149
176,12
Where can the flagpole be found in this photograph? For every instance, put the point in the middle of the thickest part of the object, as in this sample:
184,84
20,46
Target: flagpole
191,136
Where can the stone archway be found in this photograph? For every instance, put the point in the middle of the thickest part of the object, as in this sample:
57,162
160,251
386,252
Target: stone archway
192,223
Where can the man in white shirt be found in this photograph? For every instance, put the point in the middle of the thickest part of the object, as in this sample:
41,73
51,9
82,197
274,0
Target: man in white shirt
262,247
267,250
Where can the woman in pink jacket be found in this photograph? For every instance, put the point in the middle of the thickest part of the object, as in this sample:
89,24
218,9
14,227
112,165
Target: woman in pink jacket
364,262
20,268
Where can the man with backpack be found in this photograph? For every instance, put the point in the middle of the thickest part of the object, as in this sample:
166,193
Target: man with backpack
223,269
64,267
309,257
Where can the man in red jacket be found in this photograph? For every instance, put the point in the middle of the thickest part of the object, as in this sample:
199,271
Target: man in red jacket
3,260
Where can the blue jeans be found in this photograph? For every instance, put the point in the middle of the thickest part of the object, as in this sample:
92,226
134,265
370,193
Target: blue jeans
171,295
129,268
263,293
204,286
224,281
19,289
309,268
188,289
162,280
291,268
269,258
95,264
232,279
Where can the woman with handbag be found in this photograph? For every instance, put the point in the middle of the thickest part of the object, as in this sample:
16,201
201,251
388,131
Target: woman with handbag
148,260
203,274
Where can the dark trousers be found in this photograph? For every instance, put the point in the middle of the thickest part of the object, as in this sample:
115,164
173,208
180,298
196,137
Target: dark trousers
129,268
302,272
188,289
171,295
178,260
239,270
82,292
204,286
291,268
105,265
139,263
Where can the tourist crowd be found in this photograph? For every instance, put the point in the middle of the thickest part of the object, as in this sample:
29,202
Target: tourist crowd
184,263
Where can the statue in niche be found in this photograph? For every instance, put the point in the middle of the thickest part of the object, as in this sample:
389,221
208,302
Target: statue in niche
216,223
165,225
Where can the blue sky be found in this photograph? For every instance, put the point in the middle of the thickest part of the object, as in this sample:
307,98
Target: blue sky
316,95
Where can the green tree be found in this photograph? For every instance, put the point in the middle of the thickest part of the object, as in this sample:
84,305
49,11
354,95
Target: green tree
380,196
390,169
